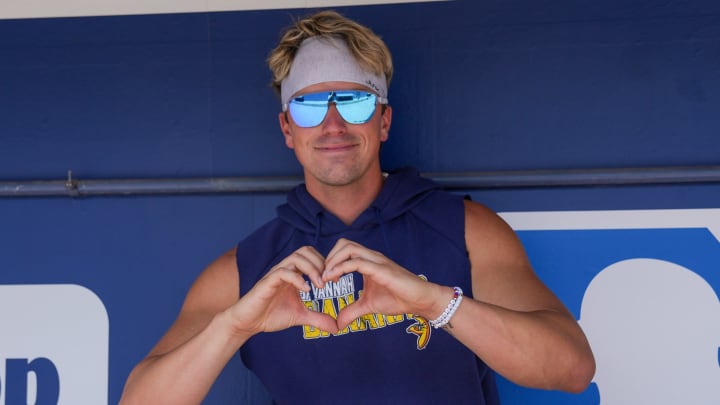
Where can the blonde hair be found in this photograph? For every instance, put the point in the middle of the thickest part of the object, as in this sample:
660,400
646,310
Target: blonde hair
370,51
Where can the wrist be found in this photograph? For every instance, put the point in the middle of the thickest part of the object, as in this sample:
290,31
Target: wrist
453,304
441,296
227,322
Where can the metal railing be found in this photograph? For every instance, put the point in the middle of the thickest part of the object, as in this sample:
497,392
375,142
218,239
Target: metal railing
73,187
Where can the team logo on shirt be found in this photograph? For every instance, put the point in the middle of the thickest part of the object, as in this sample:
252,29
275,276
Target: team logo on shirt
335,296
421,328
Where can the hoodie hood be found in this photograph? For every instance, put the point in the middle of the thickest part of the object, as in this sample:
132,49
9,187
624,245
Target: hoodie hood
403,189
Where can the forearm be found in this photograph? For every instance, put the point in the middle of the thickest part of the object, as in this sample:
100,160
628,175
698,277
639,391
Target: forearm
541,349
185,374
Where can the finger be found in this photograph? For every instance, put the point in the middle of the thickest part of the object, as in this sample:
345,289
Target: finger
341,244
319,320
348,250
352,265
307,261
352,312
284,275
312,254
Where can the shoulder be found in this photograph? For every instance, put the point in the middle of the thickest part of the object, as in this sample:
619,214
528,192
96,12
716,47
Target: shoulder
485,227
216,288
501,271
493,246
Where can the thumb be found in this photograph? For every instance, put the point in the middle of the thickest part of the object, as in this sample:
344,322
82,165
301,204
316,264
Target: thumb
320,320
351,313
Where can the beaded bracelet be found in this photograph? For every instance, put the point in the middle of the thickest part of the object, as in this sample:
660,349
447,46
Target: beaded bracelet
443,319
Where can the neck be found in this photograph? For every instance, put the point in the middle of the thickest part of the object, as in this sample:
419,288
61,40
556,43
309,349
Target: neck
347,202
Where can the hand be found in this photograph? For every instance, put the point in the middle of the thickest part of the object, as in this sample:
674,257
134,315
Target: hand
274,302
388,287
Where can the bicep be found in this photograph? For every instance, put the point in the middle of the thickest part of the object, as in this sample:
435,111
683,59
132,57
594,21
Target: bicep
501,272
215,289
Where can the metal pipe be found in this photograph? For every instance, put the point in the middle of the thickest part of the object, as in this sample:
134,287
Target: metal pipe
579,177
159,186
455,181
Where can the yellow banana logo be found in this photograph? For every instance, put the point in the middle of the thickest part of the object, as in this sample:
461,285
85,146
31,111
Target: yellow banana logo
421,328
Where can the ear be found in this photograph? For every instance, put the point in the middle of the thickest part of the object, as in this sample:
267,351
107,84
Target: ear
285,128
385,121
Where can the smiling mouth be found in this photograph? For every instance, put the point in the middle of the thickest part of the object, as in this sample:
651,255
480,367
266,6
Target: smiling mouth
336,148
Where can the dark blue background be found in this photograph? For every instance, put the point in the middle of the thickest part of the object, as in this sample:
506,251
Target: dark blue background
479,85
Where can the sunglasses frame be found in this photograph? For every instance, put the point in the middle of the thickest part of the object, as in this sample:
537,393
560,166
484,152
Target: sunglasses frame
332,98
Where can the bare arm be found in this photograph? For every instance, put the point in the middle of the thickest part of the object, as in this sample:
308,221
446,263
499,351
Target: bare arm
515,323
213,324
185,362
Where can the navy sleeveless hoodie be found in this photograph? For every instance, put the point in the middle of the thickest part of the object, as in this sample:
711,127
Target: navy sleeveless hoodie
379,358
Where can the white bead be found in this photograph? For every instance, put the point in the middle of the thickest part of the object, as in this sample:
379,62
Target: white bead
444,318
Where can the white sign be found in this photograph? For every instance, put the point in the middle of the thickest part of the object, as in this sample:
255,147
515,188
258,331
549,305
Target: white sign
648,310
54,345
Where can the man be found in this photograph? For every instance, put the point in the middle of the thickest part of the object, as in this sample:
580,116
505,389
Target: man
345,293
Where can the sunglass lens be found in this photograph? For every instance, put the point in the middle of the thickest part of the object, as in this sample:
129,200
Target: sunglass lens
355,107
309,110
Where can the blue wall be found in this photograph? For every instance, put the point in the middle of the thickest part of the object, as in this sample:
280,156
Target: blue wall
480,85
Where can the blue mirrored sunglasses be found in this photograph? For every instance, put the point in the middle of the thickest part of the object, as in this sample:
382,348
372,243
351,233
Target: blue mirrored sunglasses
355,107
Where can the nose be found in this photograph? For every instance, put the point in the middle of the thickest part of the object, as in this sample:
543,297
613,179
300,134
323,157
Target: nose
333,122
